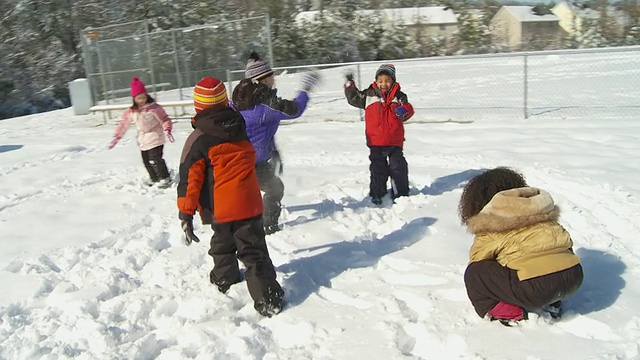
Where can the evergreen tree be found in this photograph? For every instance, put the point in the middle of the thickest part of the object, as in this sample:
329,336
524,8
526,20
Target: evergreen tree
473,33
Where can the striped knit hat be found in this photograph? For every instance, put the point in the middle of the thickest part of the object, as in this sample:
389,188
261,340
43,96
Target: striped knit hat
387,69
209,92
256,68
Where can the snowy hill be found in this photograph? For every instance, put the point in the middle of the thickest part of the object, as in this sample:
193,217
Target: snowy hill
93,265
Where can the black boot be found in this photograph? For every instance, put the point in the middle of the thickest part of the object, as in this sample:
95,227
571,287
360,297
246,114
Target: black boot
271,303
271,229
222,284
554,309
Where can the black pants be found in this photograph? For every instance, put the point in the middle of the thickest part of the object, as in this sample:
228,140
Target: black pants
273,189
488,283
380,169
154,163
243,240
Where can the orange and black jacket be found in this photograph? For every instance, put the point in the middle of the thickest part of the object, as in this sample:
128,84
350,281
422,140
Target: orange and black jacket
217,168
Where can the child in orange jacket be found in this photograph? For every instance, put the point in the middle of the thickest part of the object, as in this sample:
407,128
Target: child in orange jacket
217,173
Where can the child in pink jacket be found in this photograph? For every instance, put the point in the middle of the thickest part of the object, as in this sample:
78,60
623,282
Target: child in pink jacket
152,123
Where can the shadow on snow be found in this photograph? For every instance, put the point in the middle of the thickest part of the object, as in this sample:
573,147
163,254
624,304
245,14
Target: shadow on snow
305,275
602,283
327,207
7,148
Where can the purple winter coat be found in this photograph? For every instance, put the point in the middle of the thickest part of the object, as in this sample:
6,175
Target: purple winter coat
263,110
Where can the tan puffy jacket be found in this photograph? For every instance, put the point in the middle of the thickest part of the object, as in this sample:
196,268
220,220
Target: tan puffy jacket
519,229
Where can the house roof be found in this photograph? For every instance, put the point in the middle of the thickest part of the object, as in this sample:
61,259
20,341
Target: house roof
400,16
525,14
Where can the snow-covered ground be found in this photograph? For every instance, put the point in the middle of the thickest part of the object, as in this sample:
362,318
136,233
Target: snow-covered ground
93,265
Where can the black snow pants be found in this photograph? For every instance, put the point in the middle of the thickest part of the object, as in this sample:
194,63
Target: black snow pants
387,161
154,163
273,189
488,283
243,240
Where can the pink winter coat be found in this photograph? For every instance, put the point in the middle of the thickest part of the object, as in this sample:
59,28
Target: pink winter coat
152,122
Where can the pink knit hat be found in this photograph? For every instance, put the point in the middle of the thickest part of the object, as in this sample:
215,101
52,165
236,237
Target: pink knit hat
137,87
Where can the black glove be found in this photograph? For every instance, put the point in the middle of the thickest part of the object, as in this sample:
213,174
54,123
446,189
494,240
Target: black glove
310,80
187,227
349,76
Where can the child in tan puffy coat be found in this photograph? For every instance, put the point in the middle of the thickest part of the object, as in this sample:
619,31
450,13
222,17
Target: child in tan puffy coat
521,257
152,123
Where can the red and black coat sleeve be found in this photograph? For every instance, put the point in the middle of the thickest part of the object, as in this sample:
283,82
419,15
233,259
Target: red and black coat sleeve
195,189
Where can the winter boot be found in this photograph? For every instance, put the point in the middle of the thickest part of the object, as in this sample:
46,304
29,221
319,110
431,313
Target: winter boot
271,303
271,229
164,183
554,309
376,200
222,284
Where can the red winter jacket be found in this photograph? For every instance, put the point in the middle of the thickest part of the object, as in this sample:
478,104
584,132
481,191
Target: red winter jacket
383,127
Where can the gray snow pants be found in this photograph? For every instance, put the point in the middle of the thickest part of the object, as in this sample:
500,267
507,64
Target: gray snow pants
273,189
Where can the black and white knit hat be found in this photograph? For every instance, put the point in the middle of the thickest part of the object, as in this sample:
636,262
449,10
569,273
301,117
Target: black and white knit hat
256,68
388,69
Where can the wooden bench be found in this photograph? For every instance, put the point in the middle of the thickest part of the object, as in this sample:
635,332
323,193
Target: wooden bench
107,109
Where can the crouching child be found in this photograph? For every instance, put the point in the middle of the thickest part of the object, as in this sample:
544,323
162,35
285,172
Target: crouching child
521,257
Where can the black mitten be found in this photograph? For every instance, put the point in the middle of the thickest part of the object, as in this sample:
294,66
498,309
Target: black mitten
187,227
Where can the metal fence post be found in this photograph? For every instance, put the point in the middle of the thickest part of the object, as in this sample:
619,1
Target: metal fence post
87,65
229,81
269,44
151,73
359,81
177,63
101,66
526,87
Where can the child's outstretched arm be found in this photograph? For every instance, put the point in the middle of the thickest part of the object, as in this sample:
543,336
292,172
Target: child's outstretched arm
121,129
282,109
354,96
165,120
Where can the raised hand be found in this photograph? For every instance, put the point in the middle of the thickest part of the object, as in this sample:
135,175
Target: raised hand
310,80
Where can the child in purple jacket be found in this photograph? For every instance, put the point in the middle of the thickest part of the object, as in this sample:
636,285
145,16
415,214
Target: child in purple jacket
257,100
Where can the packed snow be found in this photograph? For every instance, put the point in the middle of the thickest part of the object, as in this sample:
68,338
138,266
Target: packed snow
93,264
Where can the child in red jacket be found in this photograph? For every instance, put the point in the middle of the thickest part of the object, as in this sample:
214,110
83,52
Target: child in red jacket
386,108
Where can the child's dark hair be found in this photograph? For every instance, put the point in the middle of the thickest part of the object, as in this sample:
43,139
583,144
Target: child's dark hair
149,101
481,189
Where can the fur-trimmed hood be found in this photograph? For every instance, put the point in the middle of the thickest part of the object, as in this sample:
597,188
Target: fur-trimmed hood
514,209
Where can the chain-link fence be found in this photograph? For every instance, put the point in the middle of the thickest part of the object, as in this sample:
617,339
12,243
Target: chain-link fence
168,59
602,82
560,84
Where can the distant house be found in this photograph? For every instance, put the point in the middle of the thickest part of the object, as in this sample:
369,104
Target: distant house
419,22
524,27
574,15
